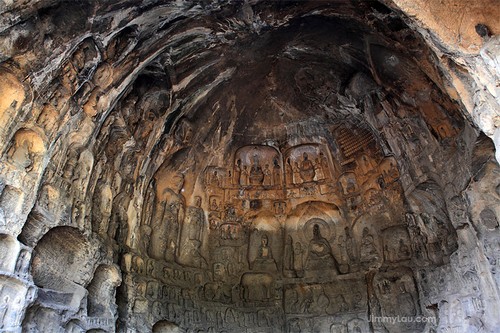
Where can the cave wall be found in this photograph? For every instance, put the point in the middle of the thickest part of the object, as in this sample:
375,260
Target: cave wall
258,167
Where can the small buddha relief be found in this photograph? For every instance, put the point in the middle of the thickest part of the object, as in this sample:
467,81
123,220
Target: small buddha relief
265,261
215,177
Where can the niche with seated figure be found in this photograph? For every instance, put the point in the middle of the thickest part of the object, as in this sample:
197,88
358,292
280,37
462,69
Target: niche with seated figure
26,150
257,166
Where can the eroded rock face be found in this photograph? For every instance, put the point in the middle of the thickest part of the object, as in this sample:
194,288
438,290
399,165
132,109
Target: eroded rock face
246,167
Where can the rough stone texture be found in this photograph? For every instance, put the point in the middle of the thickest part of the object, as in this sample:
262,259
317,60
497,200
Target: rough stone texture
454,22
257,166
465,36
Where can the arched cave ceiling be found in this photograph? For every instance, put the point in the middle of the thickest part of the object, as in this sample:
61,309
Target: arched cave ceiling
295,166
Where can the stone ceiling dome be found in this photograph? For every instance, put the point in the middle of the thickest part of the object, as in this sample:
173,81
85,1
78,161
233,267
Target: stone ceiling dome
249,166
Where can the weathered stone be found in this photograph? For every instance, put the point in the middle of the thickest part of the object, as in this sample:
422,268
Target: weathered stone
255,166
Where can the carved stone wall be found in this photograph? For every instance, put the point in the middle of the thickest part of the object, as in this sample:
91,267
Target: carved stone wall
318,242
255,166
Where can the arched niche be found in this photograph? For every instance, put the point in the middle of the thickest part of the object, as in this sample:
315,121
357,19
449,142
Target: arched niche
265,245
396,292
62,258
48,118
306,163
26,150
9,251
121,43
368,242
102,290
313,209
310,232
257,165
389,169
164,326
13,96
34,229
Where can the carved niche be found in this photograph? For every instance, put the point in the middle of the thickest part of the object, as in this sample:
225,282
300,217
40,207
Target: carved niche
396,244
257,166
365,248
311,230
26,150
265,246
269,239
306,163
397,295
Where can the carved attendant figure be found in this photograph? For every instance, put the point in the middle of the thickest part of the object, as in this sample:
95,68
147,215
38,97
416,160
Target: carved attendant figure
195,220
318,170
296,173
244,176
289,172
4,307
324,164
195,257
404,250
351,185
21,155
419,239
23,262
264,250
237,172
174,218
430,230
213,205
276,173
349,245
267,176
288,264
170,213
214,179
298,257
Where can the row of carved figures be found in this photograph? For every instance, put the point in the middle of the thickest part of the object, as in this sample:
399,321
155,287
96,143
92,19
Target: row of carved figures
296,172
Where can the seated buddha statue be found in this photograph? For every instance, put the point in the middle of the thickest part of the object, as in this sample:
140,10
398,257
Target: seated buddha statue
264,261
319,255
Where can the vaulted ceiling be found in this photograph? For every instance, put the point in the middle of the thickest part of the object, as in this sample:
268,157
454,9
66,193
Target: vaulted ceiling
117,115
